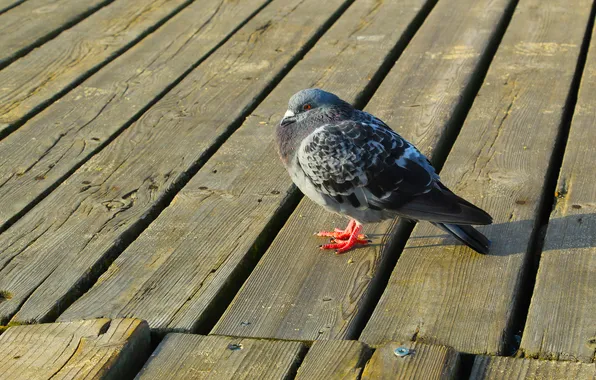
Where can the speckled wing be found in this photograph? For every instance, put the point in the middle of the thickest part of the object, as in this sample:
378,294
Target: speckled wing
366,164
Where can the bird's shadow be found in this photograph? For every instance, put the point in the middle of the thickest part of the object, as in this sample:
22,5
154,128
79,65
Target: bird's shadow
569,232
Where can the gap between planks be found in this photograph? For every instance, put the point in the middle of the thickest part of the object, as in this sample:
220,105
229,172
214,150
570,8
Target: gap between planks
39,17
114,203
34,82
559,322
245,197
186,356
6,5
298,292
42,153
486,164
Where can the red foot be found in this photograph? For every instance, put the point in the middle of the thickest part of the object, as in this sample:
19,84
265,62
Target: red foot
347,239
339,234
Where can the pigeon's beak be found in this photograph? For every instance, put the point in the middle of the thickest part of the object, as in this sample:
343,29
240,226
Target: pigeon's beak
289,118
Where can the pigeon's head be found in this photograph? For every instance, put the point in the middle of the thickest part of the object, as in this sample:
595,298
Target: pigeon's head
315,104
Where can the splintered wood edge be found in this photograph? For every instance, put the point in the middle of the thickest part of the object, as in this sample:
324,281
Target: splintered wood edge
111,349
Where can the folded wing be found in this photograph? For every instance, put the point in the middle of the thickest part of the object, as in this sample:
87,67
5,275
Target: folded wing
370,166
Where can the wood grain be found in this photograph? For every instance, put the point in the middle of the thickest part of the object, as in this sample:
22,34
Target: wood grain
502,368
34,21
176,272
51,145
561,323
334,360
183,356
443,292
300,292
48,71
58,248
422,362
101,348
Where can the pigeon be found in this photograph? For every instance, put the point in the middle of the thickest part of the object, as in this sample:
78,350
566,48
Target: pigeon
352,163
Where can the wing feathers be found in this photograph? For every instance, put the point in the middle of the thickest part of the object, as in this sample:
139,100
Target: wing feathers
341,157
365,165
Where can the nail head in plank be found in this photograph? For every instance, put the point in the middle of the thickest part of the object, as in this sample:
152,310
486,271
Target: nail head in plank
52,144
561,323
59,247
412,360
217,222
100,348
334,359
300,292
446,293
46,72
185,356
504,368
32,22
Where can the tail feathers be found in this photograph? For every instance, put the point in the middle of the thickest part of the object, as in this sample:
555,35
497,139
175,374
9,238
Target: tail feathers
440,205
467,235
473,214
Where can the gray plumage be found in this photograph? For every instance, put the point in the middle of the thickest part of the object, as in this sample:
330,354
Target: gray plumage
352,163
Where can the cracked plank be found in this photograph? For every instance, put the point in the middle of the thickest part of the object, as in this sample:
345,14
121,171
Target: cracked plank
184,356
178,274
31,23
334,359
422,361
100,348
443,292
503,368
298,291
561,323
44,74
153,157
62,137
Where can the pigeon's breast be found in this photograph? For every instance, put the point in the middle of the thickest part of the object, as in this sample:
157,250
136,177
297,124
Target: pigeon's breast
307,187
362,214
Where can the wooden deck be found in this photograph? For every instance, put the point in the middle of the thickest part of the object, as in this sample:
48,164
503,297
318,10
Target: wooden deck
148,228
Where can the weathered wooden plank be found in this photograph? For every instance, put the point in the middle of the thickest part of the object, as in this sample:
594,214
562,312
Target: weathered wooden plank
298,292
52,144
181,267
61,245
48,71
334,359
503,368
35,21
446,293
561,323
101,348
415,361
185,356
5,5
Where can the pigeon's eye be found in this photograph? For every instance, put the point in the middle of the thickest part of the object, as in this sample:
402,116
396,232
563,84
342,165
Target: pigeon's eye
306,107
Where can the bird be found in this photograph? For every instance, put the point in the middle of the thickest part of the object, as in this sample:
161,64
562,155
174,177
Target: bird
352,163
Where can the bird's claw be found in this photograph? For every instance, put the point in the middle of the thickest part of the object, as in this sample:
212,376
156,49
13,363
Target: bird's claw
344,240
342,246
339,235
